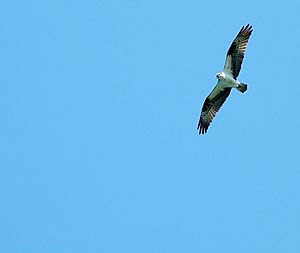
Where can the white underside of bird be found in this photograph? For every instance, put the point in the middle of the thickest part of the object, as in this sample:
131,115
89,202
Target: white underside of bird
226,80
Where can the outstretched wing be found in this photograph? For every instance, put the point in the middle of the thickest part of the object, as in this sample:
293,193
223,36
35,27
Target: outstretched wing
211,106
236,52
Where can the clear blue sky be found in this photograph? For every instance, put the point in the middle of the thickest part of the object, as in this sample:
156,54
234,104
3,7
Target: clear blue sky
99,104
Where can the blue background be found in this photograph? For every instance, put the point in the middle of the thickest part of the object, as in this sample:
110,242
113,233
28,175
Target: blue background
99,104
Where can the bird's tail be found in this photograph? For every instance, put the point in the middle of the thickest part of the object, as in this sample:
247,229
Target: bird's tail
242,87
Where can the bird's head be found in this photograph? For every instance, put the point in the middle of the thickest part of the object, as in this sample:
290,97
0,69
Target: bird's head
220,75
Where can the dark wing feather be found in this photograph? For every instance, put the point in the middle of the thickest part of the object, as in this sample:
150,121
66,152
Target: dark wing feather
236,52
211,106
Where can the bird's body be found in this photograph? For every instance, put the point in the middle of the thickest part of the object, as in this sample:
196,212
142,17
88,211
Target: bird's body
227,79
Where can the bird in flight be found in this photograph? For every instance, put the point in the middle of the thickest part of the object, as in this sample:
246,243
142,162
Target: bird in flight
226,79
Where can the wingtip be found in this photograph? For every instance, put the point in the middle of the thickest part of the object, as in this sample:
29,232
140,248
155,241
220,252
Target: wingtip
204,131
245,30
248,28
201,129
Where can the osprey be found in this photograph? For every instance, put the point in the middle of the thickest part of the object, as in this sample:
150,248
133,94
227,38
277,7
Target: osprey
226,79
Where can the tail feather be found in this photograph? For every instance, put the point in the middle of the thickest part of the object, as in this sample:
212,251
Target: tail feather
242,87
